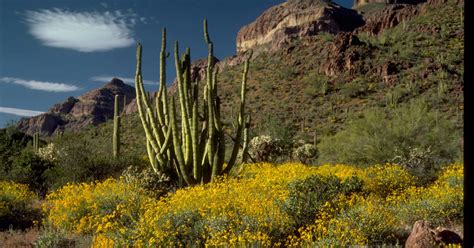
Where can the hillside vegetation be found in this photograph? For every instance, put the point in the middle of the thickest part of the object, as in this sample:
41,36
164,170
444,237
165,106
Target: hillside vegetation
355,138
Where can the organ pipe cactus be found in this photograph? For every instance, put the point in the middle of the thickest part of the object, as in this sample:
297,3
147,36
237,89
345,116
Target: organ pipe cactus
116,132
190,147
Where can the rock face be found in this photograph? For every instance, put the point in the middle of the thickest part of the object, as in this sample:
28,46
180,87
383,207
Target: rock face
342,55
92,108
423,236
360,3
296,18
389,17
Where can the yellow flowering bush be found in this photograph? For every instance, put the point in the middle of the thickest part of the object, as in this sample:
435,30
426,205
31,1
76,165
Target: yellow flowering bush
437,203
16,205
231,211
88,208
383,179
363,206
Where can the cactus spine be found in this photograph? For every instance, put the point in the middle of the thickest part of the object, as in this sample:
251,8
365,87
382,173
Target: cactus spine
116,132
193,151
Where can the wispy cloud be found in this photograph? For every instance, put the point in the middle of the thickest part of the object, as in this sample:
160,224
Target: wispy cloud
106,78
20,112
38,85
82,31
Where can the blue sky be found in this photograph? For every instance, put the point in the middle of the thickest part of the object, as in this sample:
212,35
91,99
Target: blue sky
50,50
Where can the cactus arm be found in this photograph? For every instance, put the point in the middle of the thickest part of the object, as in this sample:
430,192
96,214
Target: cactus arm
195,143
159,107
211,146
177,146
220,154
246,140
139,96
240,126
186,130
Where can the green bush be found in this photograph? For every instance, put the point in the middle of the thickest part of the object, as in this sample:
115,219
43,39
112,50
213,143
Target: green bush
12,142
397,136
28,168
306,197
82,161
49,238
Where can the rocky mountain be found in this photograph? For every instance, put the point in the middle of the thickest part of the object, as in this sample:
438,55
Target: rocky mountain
295,19
92,108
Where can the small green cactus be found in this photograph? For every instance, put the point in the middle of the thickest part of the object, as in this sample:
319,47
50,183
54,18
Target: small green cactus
36,142
116,132
392,99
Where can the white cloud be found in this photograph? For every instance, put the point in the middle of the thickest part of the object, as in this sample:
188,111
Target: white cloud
38,85
82,31
106,78
20,112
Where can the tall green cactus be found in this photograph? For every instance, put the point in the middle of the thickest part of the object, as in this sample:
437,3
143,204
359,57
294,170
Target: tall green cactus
193,150
116,132
36,142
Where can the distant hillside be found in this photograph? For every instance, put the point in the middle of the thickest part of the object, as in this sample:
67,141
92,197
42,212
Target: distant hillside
92,108
312,83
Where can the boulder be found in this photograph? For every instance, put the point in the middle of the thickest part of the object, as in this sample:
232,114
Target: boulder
423,236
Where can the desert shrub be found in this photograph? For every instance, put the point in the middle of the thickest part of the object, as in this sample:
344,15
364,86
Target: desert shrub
438,203
348,221
384,179
381,137
17,206
157,184
49,237
307,196
49,153
28,168
358,87
81,162
88,208
275,128
12,142
305,153
264,148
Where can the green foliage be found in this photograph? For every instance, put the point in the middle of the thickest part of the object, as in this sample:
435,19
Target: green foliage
12,142
381,137
81,162
307,196
275,128
49,238
28,168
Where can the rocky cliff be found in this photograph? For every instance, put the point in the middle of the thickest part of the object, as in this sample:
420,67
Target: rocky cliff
92,108
361,3
296,18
